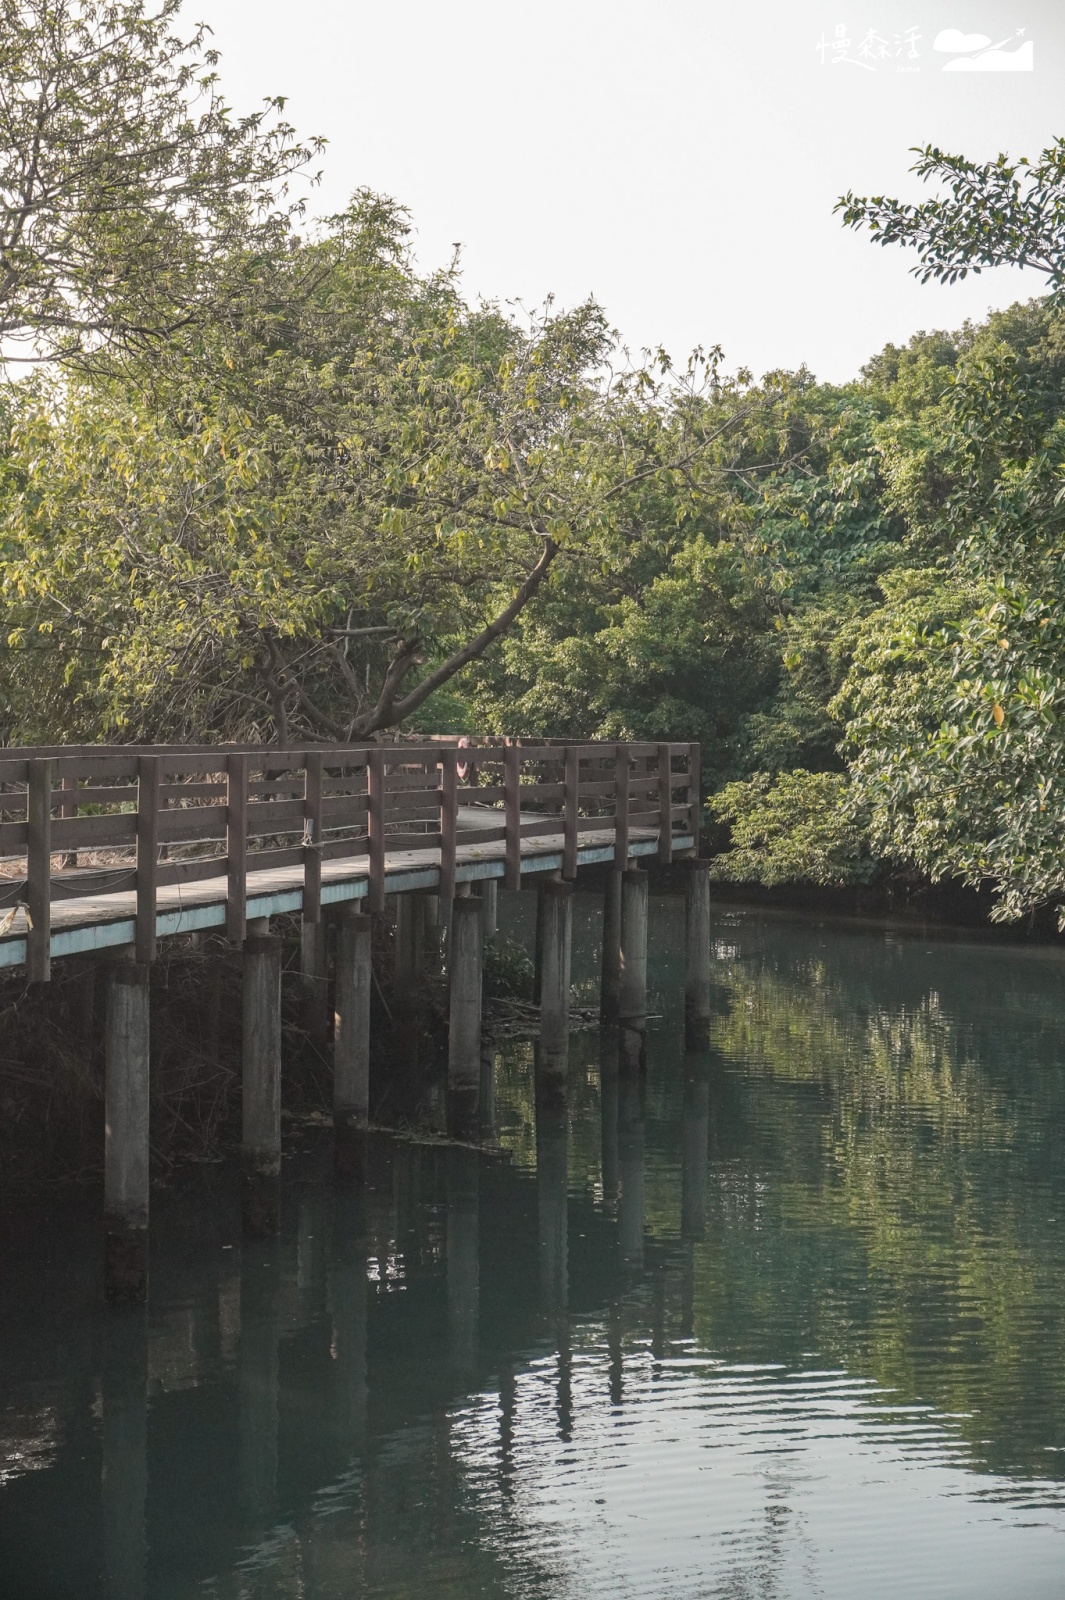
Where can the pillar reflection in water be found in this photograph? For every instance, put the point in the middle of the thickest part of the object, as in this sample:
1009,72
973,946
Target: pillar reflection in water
259,1361
124,1481
463,1256
693,1144
551,1185
608,1116
631,1146
488,1093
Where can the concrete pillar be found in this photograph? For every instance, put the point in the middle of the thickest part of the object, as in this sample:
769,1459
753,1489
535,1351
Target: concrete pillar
693,1147
314,982
126,1046
610,985
124,1449
488,893
351,1036
464,1029
554,912
697,943
633,994
261,1095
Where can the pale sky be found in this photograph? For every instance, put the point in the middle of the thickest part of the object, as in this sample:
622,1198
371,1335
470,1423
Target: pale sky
678,159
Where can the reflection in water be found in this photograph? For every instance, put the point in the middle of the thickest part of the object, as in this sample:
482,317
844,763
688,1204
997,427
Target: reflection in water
608,1137
693,1145
552,1169
124,1484
463,1246
631,1132
259,1370
781,1318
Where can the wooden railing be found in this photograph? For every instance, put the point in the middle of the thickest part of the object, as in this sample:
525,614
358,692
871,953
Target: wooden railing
104,819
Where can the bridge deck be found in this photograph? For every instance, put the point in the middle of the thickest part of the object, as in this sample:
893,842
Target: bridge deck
112,846
98,921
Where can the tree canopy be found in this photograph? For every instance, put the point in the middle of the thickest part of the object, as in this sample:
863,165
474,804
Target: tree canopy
271,479
132,199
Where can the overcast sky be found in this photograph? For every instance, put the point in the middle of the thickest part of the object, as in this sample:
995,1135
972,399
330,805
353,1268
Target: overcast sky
678,159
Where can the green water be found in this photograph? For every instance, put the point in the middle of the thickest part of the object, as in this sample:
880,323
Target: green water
784,1319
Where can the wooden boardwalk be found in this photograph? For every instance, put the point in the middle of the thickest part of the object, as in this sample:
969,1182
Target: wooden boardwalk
113,847
113,850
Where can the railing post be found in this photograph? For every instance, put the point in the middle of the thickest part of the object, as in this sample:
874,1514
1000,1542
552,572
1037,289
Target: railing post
312,837
572,783
147,855
621,807
512,810
236,847
633,998
449,821
665,804
375,827
39,870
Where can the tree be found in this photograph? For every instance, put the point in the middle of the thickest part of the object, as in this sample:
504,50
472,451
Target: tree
792,830
319,518
996,213
955,723
131,197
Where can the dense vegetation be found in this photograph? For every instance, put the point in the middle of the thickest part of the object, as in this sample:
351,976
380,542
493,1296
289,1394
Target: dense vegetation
272,480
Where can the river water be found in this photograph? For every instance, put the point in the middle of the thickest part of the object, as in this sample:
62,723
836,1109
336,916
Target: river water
782,1319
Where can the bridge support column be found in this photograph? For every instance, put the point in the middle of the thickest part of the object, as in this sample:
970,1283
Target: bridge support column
314,981
126,1133
261,1108
610,985
633,985
555,915
464,1030
697,975
351,1037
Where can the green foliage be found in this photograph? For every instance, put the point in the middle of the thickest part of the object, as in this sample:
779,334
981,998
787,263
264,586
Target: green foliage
132,200
796,829
280,484
995,213
508,969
